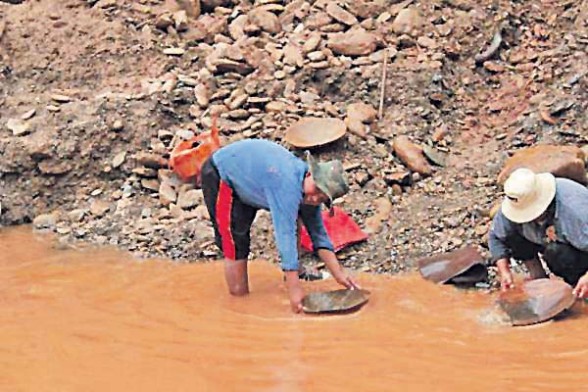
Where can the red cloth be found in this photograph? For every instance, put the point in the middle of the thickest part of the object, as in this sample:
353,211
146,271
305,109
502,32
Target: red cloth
341,228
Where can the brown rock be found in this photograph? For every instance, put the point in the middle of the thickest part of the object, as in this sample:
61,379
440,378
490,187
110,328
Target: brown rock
561,161
312,43
411,155
340,15
353,43
190,198
167,194
407,21
99,207
383,208
18,127
52,168
192,7
293,55
149,160
361,112
237,27
356,127
266,20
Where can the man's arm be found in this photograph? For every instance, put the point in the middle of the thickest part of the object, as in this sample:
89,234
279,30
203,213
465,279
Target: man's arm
283,206
499,231
321,243
330,259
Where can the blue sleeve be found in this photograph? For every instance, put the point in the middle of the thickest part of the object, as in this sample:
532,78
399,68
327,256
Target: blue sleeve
573,213
313,220
283,207
500,230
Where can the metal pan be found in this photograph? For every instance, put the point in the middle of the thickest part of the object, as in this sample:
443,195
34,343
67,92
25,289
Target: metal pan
536,301
336,301
462,266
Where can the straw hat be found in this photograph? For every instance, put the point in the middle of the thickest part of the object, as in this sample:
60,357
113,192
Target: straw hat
527,195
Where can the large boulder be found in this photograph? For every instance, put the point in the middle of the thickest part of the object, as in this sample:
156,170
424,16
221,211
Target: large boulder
561,161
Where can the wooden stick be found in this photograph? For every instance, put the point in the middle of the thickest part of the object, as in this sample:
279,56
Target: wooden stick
383,84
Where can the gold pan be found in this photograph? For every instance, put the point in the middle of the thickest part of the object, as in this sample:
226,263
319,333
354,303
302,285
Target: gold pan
313,131
462,266
536,301
334,301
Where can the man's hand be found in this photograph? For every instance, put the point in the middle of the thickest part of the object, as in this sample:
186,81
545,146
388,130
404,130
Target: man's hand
345,280
330,260
581,289
295,291
505,275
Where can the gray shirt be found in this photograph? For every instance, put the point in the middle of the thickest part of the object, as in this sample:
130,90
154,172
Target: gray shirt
570,222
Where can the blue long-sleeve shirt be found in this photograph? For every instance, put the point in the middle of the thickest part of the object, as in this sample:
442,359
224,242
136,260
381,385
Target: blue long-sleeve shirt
265,175
570,222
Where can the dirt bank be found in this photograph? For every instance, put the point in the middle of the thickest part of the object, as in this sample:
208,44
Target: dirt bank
94,94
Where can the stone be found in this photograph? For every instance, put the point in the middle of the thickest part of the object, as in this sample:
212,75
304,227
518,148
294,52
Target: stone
118,159
561,161
180,21
383,208
60,98
28,115
167,194
340,15
164,21
150,160
76,215
312,43
191,7
293,55
202,94
150,184
353,43
190,199
53,168
237,27
356,127
316,56
117,126
362,112
99,207
45,221
408,21
411,155
174,51
18,127
266,20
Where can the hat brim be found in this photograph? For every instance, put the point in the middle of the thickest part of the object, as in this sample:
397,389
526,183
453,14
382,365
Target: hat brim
545,193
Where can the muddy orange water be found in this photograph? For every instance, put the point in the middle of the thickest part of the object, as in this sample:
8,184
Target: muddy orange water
97,320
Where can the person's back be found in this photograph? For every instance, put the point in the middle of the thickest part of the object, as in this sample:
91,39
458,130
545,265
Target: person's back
254,166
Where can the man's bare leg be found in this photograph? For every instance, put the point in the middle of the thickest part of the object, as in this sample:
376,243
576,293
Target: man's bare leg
535,269
236,276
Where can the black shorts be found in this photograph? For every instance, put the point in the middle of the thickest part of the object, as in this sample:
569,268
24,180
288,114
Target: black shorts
230,217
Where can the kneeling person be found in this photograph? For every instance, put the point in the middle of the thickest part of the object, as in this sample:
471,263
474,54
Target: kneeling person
248,175
547,215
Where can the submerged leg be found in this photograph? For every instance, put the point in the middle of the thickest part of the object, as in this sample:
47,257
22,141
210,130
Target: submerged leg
236,277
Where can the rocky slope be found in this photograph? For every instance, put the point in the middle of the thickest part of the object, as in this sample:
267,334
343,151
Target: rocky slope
95,94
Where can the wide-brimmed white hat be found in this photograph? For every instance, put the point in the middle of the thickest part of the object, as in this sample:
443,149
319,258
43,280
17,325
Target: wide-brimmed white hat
527,195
